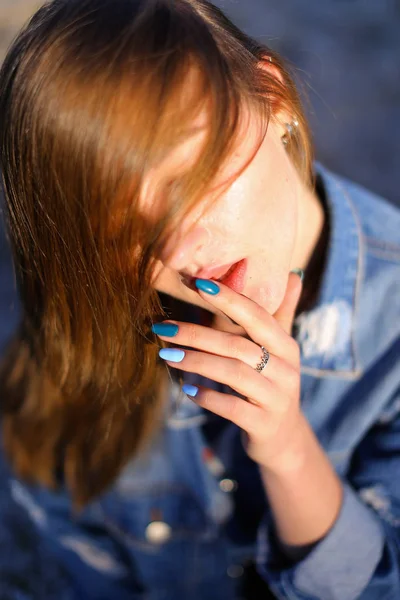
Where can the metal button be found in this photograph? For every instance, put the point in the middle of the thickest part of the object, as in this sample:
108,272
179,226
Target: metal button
213,463
235,571
228,485
158,532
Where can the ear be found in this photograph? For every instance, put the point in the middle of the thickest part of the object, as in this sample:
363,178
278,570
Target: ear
281,116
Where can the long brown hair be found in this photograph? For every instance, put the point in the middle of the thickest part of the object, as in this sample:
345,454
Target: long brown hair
93,95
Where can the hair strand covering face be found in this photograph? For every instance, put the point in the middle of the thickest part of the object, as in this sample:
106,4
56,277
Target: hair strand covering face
94,94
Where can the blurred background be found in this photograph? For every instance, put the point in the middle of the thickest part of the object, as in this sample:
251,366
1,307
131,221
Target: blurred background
347,57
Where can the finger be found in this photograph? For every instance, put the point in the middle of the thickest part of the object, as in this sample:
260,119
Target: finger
234,373
230,346
287,310
260,325
245,415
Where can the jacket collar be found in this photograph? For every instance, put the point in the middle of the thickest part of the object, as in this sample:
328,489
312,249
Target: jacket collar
326,333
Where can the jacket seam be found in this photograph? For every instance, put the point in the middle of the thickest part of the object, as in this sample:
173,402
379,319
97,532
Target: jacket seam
383,250
330,373
382,255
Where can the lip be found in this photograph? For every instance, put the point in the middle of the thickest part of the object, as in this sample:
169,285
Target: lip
237,277
215,272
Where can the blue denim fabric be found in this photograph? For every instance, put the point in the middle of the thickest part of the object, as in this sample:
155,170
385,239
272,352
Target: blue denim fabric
167,530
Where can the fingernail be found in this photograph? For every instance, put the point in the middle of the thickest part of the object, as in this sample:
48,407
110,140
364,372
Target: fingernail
298,272
205,285
167,329
172,354
190,390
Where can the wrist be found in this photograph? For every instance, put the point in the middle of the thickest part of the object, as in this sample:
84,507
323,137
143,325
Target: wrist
303,489
294,456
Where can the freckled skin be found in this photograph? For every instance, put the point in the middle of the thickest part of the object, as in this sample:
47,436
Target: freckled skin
267,215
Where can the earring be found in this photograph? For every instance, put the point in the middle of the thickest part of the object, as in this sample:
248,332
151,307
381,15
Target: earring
290,127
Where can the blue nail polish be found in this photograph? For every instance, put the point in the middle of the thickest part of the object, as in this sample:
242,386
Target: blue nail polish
205,285
172,354
298,272
167,329
190,390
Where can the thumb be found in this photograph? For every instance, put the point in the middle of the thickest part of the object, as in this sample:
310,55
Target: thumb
285,313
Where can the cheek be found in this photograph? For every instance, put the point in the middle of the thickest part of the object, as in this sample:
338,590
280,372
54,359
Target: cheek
267,200
271,223
279,219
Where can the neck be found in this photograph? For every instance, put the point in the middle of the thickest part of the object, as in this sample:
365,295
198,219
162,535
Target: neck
315,249
311,223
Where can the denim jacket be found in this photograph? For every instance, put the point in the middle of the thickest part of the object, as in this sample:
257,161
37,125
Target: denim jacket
170,529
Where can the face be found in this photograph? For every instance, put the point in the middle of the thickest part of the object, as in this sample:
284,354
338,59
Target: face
255,218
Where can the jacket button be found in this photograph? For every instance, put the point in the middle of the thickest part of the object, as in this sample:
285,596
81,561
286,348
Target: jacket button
158,532
235,571
228,485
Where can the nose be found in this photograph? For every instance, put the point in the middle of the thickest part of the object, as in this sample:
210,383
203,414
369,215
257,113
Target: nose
183,252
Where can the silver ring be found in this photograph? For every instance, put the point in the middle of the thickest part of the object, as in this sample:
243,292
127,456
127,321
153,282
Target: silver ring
264,360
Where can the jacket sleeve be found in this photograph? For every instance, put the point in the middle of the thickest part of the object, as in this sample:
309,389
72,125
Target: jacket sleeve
359,558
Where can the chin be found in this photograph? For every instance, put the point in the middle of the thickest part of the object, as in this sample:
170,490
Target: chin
267,296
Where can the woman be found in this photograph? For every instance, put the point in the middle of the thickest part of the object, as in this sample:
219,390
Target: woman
182,416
